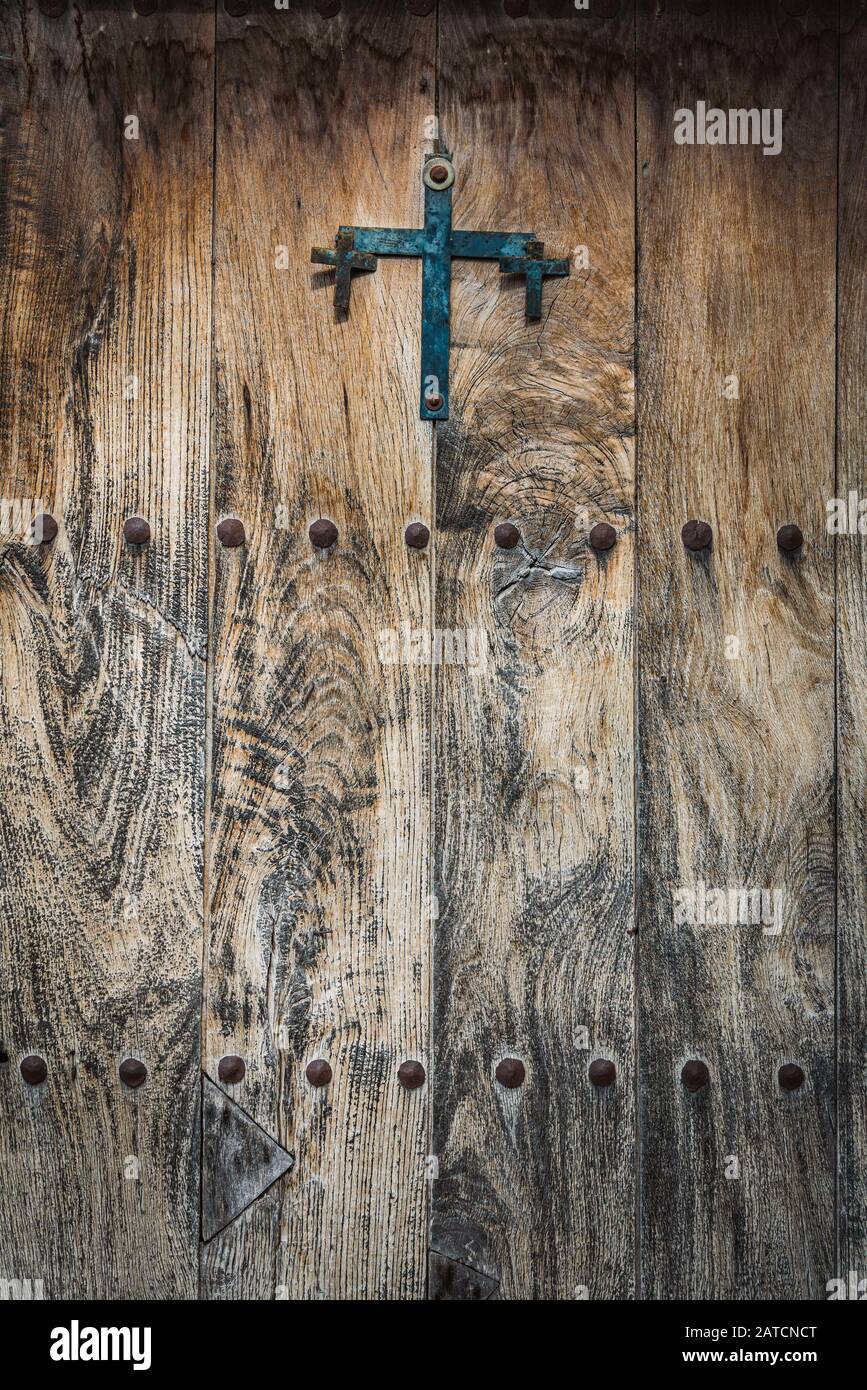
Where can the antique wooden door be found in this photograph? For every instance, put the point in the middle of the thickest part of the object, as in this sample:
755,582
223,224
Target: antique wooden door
426,869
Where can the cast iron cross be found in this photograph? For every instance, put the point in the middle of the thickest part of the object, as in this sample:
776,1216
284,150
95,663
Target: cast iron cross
519,253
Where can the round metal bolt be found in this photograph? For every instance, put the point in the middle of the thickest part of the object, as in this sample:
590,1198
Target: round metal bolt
790,538
323,533
602,1072
132,1073
420,7
231,533
411,1075
44,529
319,1072
790,1077
510,1072
136,531
434,402
506,535
34,1070
236,8
328,8
231,1070
145,7
52,8
695,1075
416,535
516,9
438,173
696,535
603,536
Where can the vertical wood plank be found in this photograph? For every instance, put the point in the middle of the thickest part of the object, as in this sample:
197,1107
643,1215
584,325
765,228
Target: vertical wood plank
534,731
320,840
104,397
736,653
851,646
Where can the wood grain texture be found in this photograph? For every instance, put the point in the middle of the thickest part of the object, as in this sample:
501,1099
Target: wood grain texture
851,648
320,840
736,277
104,400
534,800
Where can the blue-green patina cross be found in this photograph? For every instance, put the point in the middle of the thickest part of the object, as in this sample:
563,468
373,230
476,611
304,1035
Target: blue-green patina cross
438,244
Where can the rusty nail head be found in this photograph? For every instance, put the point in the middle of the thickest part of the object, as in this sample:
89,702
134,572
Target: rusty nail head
516,9
132,1072
695,1075
34,1070
510,1072
230,532
136,531
603,536
52,8
506,535
790,538
44,529
790,1076
696,535
236,7
602,1072
416,535
434,402
421,7
438,173
411,1075
328,8
231,1070
323,533
319,1072
144,7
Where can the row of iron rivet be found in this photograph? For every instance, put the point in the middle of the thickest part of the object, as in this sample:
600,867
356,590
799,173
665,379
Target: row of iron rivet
510,1073
696,535
516,9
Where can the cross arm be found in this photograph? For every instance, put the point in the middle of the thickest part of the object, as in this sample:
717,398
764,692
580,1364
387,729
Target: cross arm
388,241
490,246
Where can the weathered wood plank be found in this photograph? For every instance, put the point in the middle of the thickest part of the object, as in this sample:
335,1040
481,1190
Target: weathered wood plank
104,397
320,840
851,648
736,653
534,733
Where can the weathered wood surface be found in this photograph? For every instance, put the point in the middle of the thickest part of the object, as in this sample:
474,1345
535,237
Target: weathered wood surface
851,648
534,739
104,403
319,936
736,653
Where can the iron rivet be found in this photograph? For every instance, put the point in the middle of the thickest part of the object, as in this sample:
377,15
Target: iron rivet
696,535
328,8
411,1075
136,531
695,1075
230,532
602,1072
34,1070
438,173
44,529
510,1072
421,7
516,9
53,8
132,1073
506,535
603,536
434,402
319,1072
145,7
323,533
231,1070
790,538
236,8
790,1076
416,535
